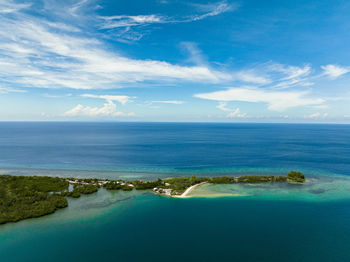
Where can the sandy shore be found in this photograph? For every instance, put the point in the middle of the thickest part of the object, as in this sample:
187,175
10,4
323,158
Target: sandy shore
190,192
190,189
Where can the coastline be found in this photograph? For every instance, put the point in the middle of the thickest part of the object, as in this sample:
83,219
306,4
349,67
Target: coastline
48,194
189,190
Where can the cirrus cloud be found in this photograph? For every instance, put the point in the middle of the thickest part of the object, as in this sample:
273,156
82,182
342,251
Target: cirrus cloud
276,100
335,71
121,99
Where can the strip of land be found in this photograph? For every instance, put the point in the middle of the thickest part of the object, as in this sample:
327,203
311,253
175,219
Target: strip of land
190,189
23,197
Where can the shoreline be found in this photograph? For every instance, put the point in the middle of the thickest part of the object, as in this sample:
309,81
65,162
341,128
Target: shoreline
48,194
189,190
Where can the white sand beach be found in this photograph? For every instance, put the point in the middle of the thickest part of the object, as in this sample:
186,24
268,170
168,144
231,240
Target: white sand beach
190,189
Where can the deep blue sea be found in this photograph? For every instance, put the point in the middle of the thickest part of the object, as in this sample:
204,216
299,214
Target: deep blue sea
308,222
167,148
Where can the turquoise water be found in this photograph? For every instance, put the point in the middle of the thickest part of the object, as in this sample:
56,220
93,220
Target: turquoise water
143,227
268,222
316,188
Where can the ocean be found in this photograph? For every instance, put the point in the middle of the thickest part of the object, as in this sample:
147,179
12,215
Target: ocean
308,222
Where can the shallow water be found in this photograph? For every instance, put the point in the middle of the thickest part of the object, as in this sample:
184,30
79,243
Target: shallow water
133,227
320,188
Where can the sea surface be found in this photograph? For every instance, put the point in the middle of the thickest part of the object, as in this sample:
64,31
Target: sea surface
268,222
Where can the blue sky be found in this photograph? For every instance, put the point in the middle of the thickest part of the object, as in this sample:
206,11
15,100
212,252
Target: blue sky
163,60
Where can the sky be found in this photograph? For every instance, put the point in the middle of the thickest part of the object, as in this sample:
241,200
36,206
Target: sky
181,60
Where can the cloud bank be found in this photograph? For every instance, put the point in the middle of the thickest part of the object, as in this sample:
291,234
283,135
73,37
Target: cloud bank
109,109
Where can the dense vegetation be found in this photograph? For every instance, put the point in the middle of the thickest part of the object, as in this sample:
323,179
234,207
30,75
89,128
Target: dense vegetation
23,197
118,185
180,184
27,197
294,176
79,189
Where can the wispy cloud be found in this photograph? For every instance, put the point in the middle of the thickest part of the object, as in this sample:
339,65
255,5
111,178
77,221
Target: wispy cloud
316,116
234,113
130,20
213,9
335,71
250,76
8,6
121,99
6,90
290,76
276,100
195,54
34,54
124,24
174,102
56,96
223,106
75,8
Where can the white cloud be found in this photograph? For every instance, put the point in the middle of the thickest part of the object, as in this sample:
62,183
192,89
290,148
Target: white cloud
8,6
223,106
56,96
175,102
34,55
276,100
109,109
250,77
321,106
75,8
195,54
121,99
316,116
236,114
213,10
296,72
129,21
6,90
290,76
335,71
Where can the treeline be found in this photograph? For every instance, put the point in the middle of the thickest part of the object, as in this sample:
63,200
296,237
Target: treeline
23,197
180,184
116,185
292,176
79,189
247,179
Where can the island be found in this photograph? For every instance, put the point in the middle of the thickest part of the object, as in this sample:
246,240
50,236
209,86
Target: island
24,197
